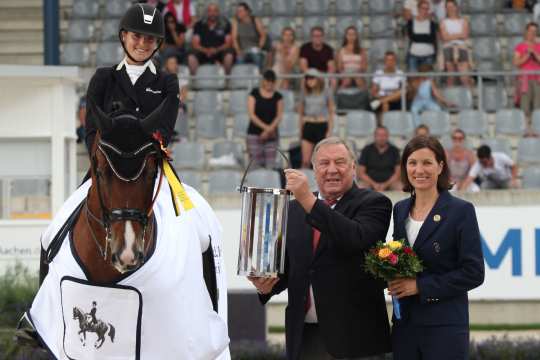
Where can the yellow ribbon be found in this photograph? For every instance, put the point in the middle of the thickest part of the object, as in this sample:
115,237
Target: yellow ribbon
180,197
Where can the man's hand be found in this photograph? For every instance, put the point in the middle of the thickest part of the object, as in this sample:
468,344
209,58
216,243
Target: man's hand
403,287
263,285
298,184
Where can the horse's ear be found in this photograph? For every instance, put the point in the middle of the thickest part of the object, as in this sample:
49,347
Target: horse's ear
103,121
151,122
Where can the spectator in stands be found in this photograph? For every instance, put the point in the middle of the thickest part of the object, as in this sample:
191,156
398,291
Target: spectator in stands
460,161
352,58
183,12
422,32
265,109
437,9
454,34
386,85
81,116
171,66
316,54
248,36
175,39
284,55
378,165
427,95
316,114
212,41
421,130
527,57
496,170
158,4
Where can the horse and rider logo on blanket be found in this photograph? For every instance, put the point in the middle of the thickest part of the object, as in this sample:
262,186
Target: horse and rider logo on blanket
88,322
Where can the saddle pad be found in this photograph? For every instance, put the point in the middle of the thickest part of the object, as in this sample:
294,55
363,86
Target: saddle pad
100,322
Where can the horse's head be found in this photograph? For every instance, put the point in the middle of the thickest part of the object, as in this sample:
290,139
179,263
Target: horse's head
125,161
77,313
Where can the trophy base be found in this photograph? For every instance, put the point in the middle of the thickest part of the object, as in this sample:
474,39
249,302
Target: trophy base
258,274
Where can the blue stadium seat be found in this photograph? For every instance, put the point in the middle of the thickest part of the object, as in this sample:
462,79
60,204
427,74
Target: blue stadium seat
188,155
283,8
486,48
344,22
81,30
241,123
381,6
510,122
208,101
227,147
117,8
242,72
377,49
77,54
263,178
482,6
529,151
191,178
494,97
348,7
381,26
316,7
85,9
223,182
535,121
288,127
498,145
514,24
360,123
277,24
215,78
399,123
473,122
238,101
483,24
210,126
437,121
531,178
461,96
109,30
109,53
289,102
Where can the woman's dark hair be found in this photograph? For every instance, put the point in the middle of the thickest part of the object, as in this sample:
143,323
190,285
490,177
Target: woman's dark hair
269,75
356,47
431,143
246,7
179,28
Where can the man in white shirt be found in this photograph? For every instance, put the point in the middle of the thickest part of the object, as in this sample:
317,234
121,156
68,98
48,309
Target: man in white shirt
386,85
496,170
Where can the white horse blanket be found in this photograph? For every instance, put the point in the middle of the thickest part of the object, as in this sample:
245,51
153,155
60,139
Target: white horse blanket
161,311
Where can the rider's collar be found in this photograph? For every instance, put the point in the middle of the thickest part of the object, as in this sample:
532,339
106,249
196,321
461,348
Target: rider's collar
148,64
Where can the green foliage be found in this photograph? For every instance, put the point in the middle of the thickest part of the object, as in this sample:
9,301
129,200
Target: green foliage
17,290
391,260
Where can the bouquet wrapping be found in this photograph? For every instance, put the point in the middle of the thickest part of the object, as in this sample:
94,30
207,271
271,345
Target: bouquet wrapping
392,260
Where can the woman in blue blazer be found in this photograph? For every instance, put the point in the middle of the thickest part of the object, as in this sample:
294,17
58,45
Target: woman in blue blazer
443,231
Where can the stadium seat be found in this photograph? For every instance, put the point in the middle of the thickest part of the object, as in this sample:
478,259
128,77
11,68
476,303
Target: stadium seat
377,49
223,182
381,26
473,122
210,126
461,96
312,21
209,70
312,181
283,8
437,121
85,9
344,22
360,123
188,155
482,6
494,98
489,65
109,30
116,8
75,54
238,102
241,123
399,123
316,7
498,145
263,178
244,71
81,30
225,147
531,178
529,150
509,122
208,101
514,24
289,125
483,25
486,48
381,6
535,121
181,126
109,53
277,24
348,7
289,104
191,178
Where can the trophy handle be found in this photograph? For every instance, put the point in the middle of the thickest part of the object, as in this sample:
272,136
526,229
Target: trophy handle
241,187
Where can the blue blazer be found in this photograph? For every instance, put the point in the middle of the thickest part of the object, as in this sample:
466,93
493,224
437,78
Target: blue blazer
450,249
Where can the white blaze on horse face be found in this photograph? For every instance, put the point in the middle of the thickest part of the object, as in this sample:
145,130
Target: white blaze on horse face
128,256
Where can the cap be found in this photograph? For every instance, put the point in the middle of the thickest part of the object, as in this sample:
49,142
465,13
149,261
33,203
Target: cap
143,19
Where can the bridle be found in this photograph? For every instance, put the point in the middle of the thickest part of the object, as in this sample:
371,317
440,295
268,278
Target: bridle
109,216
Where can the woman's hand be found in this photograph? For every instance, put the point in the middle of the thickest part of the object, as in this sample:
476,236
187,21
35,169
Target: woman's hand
403,287
263,285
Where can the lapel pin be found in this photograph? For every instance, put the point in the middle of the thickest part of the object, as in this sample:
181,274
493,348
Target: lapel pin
437,247
437,218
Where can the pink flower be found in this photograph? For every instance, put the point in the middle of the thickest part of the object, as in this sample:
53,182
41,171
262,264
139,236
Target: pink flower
393,258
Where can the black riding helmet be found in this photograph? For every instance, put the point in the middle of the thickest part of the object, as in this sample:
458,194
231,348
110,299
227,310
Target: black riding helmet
143,19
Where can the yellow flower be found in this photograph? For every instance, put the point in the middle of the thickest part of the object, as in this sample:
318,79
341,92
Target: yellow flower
384,253
394,245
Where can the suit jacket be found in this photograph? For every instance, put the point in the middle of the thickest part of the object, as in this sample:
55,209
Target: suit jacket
449,246
111,89
350,304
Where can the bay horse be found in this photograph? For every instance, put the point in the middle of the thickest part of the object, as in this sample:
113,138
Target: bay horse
115,228
100,328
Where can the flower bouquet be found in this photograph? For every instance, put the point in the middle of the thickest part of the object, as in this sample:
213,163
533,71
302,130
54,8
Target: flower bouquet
392,260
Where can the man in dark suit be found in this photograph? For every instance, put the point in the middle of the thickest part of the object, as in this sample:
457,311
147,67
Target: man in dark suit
335,309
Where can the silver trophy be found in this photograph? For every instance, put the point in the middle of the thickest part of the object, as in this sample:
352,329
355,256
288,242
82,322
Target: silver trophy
263,230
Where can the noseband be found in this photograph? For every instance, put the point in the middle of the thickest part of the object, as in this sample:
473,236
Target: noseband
110,216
